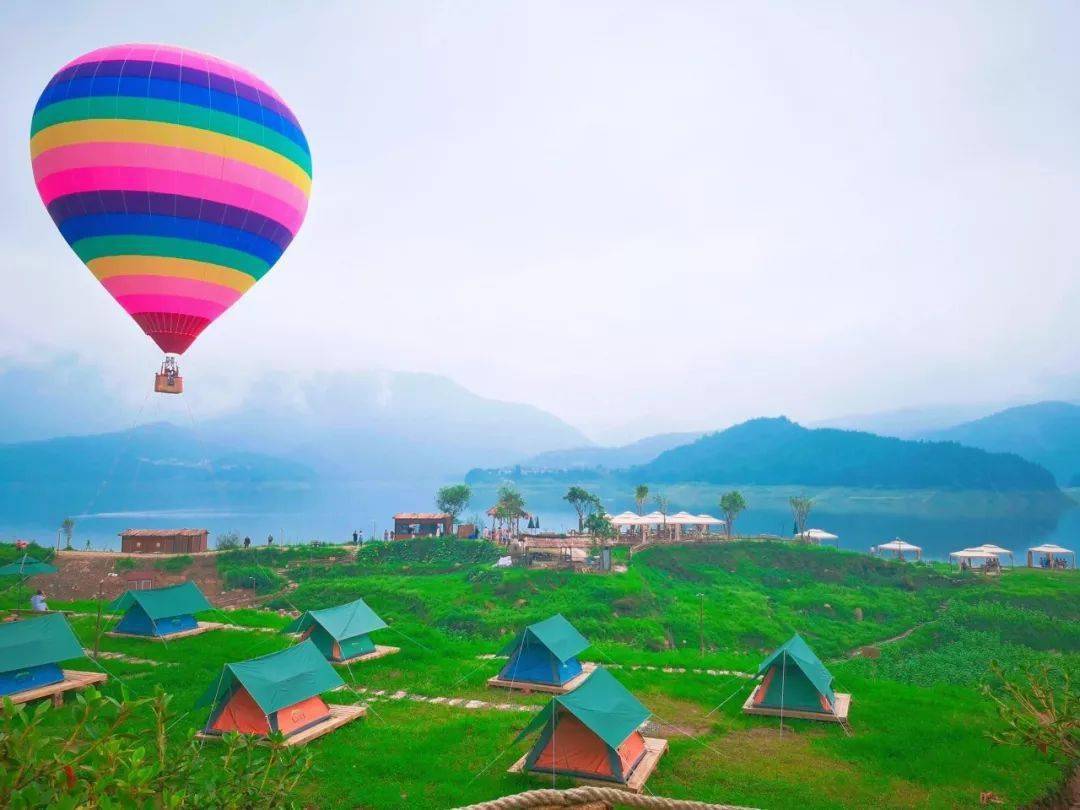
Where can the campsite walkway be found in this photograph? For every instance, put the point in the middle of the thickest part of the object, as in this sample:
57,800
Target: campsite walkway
648,668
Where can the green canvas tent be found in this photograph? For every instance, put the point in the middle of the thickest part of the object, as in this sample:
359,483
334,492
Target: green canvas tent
27,566
340,632
545,652
276,692
160,611
590,733
31,651
795,680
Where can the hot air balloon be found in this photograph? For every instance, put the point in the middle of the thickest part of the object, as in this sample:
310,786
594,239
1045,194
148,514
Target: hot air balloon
178,178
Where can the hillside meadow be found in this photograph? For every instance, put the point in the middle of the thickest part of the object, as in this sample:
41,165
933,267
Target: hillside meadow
673,628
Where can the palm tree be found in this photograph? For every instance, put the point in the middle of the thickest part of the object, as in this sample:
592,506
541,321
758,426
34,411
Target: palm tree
68,527
641,497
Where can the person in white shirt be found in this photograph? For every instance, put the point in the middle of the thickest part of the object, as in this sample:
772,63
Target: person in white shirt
37,603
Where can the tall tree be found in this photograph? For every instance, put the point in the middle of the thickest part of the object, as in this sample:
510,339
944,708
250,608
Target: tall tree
800,510
68,527
731,504
584,503
453,499
510,507
641,497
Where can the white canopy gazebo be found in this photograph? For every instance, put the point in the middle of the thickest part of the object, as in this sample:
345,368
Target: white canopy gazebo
1052,553
705,521
624,519
996,550
898,547
969,556
818,536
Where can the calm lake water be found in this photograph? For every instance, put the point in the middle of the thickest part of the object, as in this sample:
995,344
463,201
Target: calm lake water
332,511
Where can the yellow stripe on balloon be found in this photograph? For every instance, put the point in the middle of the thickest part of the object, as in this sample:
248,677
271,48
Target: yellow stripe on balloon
154,132
109,266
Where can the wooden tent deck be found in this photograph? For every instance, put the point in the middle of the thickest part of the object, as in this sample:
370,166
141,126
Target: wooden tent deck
73,680
339,716
203,627
843,704
654,749
379,652
530,686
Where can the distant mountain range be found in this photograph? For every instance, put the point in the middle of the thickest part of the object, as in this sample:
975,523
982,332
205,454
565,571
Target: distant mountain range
627,455
1047,433
779,451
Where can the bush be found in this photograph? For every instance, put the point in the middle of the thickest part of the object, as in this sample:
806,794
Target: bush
174,565
124,564
227,541
253,577
116,753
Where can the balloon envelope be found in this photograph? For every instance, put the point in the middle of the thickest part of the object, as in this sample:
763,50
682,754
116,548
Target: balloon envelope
178,178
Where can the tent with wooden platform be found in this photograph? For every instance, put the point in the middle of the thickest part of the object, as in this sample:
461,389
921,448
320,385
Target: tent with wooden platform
796,684
30,654
279,692
342,633
593,735
161,612
543,656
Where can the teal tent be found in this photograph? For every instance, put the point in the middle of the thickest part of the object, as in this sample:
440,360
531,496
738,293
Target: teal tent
27,566
795,680
279,692
160,611
590,733
340,632
31,652
545,652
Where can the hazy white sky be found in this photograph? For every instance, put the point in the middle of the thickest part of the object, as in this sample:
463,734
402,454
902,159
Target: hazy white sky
640,216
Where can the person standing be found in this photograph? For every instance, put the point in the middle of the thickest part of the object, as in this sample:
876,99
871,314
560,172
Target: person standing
355,538
269,539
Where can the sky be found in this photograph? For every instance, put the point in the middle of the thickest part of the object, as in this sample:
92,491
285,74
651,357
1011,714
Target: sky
639,216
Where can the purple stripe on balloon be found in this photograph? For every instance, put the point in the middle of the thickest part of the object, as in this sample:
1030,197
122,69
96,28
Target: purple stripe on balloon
163,70
168,205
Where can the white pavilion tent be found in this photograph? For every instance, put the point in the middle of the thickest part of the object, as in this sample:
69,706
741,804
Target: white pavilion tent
1051,552
817,536
898,547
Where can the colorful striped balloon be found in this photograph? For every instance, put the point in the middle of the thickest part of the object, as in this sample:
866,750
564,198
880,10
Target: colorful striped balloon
178,178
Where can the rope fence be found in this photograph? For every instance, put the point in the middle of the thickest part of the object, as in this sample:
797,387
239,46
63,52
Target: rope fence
575,797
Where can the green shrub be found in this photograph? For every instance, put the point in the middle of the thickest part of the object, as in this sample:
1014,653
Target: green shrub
174,565
125,564
227,541
254,577
116,753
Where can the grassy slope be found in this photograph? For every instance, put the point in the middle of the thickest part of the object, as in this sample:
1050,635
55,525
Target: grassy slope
920,725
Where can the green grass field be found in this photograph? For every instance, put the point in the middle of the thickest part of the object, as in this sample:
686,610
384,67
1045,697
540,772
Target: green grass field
920,724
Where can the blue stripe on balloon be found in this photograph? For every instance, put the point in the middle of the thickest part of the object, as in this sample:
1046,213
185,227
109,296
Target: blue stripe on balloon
137,87
78,228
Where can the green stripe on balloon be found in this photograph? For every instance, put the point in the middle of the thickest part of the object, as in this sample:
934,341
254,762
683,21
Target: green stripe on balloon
97,247
170,112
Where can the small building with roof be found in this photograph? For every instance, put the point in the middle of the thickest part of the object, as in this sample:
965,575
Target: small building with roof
408,525
593,735
342,633
163,541
544,658
279,692
160,613
796,684
31,652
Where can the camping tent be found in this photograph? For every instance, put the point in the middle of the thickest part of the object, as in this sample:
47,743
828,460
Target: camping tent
160,611
276,692
545,652
795,680
590,733
30,652
27,566
340,632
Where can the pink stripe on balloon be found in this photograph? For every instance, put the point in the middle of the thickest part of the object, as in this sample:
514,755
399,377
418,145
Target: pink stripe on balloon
123,286
163,181
151,156
171,55
171,304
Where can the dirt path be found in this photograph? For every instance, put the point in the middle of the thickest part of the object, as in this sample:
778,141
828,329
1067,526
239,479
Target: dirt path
859,652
